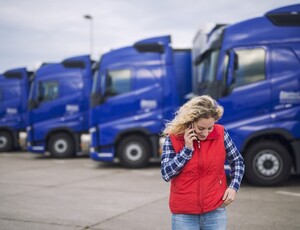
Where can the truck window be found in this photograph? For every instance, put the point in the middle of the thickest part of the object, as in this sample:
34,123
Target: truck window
11,92
251,66
284,61
118,82
48,91
206,71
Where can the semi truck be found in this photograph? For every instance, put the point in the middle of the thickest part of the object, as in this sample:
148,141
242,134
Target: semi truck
14,88
135,90
58,108
253,69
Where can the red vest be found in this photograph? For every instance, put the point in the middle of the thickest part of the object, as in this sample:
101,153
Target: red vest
201,184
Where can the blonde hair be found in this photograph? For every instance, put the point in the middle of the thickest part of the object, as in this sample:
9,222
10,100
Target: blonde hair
191,111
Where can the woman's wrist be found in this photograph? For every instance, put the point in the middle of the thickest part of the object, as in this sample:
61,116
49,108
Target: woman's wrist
189,148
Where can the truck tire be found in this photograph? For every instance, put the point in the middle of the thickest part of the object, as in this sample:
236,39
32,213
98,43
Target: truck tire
268,163
134,152
61,145
6,142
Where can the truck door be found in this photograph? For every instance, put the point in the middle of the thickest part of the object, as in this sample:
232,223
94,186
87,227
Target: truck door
118,95
286,87
248,92
132,95
12,103
47,93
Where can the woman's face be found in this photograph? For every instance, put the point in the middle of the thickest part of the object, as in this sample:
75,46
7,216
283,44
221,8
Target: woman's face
203,127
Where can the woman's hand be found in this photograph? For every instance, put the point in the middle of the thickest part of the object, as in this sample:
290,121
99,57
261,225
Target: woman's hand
189,137
228,196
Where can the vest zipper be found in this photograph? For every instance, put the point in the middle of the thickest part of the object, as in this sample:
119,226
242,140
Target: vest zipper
198,182
200,189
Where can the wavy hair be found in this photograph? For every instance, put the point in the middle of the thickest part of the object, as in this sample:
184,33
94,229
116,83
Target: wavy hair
194,109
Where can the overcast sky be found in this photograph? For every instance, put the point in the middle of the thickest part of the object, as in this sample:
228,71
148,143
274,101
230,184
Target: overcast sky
36,31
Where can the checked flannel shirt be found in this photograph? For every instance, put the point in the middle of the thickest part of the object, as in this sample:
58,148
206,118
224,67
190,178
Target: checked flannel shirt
172,163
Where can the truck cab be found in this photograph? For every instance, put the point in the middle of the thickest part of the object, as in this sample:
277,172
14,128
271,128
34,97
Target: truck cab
136,89
59,106
14,88
252,69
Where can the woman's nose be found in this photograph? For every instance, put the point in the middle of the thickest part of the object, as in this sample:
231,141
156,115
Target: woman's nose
204,132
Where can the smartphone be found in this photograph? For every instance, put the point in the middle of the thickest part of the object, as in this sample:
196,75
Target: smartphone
192,125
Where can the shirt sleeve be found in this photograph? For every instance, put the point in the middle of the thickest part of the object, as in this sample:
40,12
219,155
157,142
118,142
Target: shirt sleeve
236,162
172,162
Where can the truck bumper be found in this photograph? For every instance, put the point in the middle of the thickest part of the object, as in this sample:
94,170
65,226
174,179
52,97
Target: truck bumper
36,149
102,156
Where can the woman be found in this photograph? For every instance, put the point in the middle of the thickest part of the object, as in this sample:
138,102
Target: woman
193,160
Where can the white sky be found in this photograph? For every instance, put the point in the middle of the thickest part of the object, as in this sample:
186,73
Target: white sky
36,31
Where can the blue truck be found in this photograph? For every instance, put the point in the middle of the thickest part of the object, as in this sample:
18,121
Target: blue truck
253,69
135,89
14,88
58,108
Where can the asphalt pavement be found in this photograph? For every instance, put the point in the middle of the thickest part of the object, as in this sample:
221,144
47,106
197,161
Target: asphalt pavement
41,193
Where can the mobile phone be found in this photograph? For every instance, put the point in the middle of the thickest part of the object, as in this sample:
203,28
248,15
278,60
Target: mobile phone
192,125
194,131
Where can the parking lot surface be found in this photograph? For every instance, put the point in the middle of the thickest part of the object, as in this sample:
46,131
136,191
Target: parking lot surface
38,192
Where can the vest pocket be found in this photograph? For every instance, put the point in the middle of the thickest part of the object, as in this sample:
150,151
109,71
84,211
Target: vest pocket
184,185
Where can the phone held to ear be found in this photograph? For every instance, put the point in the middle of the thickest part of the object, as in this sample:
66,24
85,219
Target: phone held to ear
198,141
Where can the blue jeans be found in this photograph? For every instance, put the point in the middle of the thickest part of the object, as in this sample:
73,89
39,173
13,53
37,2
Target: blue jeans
215,220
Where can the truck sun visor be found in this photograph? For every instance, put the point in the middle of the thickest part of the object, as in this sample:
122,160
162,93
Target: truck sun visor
13,75
285,19
74,64
149,47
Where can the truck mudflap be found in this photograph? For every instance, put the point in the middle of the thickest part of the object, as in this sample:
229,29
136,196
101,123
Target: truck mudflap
296,147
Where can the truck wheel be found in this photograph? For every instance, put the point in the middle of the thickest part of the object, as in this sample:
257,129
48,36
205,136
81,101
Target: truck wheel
268,163
61,145
134,152
6,142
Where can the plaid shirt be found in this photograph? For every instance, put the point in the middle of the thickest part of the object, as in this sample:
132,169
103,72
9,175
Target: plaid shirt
172,163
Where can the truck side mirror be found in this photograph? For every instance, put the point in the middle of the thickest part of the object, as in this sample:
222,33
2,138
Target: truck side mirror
230,71
32,104
96,99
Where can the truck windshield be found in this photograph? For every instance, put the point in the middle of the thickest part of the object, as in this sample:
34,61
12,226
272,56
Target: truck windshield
206,70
